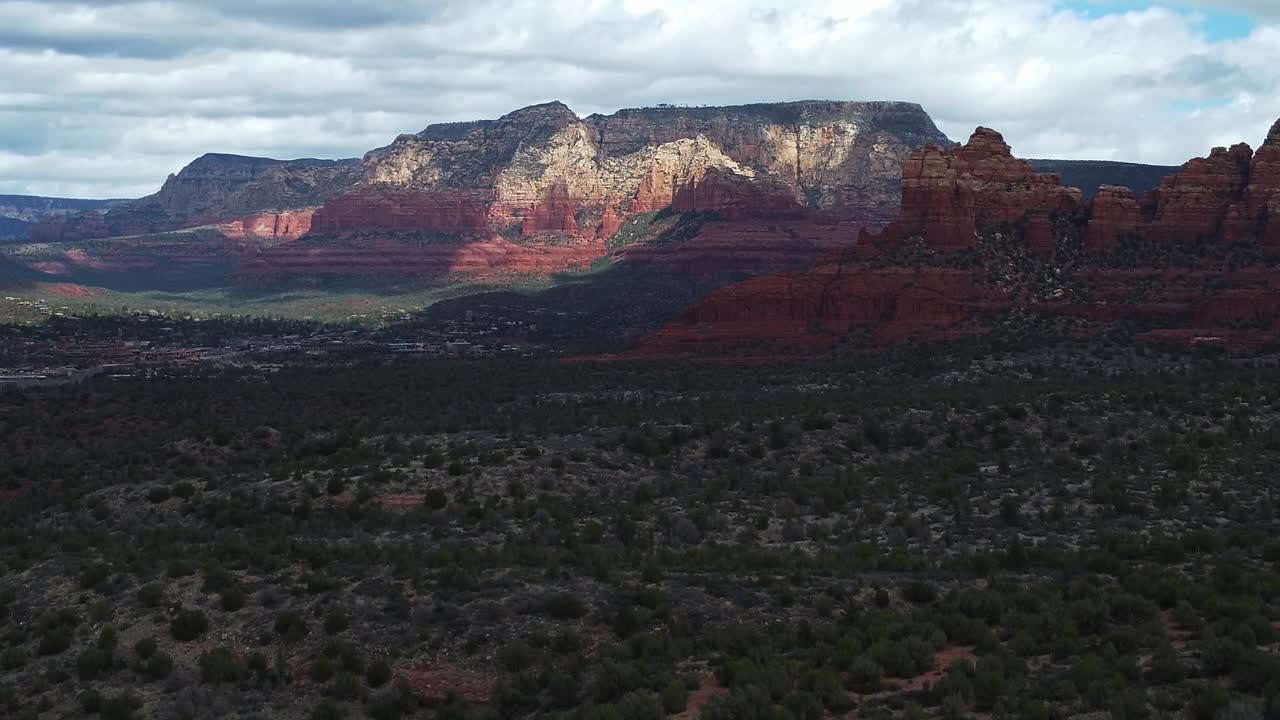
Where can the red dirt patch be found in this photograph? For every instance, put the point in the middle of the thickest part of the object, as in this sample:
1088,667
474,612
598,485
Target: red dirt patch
399,502
1178,635
942,661
402,503
70,291
431,684
709,688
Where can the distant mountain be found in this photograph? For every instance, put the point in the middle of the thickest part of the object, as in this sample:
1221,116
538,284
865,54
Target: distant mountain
214,188
19,212
535,192
1089,175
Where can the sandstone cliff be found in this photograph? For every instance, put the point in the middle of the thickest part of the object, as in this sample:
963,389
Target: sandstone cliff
546,170
542,186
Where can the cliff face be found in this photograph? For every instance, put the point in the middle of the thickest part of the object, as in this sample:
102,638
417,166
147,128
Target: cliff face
542,186
984,241
546,170
214,188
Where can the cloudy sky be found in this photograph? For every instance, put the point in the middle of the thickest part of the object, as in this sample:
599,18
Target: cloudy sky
104,98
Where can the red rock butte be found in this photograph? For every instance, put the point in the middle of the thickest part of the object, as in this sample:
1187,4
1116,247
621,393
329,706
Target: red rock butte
1099,261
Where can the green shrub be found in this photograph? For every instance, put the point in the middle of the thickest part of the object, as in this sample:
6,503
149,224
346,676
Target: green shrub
566,606
516,656
54,641
221,665
346,686
158,667
90,701
120,707
188,625
13,658
259,665
864,675
640,705
336,621
435,499
232,599
322,669
378,674
675,698
328,710
290,625
94,576
151,595
91,663
144,648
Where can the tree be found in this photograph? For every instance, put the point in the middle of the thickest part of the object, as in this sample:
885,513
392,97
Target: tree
188,625
378,673
221,665
290,625
91,663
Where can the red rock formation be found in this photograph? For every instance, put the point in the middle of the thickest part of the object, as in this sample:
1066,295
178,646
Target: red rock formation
948,195
610,222
1115,213
554,215
284,226
1230,196
808,309
1262,196
1193,205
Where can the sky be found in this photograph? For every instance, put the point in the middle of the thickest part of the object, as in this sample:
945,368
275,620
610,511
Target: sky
106,98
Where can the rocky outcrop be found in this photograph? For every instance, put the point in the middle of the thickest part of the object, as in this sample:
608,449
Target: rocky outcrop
913,283
213,189
947,195
1192,206
284,226
1262,195
1115,215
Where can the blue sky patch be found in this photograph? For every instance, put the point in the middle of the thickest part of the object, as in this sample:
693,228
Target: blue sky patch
1216,25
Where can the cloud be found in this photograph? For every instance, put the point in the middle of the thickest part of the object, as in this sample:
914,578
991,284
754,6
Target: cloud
107,98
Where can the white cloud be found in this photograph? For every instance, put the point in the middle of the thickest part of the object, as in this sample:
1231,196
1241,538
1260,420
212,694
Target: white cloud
107,98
